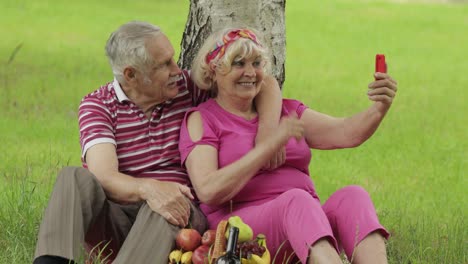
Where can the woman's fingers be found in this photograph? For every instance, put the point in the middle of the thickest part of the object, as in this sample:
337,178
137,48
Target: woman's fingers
382,91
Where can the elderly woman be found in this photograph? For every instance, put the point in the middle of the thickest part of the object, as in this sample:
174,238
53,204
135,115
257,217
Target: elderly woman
217,145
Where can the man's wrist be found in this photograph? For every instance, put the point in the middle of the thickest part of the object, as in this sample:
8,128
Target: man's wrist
264,132
267,127
142,190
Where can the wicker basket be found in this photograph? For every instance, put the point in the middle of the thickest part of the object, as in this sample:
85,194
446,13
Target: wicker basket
220,241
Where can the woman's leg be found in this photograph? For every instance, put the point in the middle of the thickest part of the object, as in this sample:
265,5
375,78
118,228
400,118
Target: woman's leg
352,216
294,220
323,252
371,250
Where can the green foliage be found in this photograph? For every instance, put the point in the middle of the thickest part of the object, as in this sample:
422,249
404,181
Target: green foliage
414,167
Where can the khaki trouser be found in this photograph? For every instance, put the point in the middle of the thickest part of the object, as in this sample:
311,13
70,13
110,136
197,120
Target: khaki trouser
79,211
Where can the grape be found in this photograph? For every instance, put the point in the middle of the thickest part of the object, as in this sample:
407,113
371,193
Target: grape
249,247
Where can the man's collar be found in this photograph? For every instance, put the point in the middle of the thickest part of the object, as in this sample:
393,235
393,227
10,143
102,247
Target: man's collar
119,92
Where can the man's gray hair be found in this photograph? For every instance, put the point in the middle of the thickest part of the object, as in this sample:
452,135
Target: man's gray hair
126,47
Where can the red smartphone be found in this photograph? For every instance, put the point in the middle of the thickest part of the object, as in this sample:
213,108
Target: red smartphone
380,64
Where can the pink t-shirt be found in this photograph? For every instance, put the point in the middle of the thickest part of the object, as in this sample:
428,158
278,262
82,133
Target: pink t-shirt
234,136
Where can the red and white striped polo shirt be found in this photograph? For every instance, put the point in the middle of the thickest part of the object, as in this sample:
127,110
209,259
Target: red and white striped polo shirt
145,147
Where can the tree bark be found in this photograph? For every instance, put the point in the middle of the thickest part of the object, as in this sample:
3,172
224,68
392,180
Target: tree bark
207,16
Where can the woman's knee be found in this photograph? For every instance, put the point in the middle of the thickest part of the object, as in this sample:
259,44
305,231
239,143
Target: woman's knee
349,198
295,195
297,202
351,194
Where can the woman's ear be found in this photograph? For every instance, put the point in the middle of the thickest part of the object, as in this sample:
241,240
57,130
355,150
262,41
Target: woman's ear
212,74
212,66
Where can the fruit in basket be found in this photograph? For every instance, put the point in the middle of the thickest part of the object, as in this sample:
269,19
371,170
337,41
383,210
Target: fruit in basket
188,239
175,256
254,251
258,260
261,240
186,258
250,247
245,231
208,237
200,255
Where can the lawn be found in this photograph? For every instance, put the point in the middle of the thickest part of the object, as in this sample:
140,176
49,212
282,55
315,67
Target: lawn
414,167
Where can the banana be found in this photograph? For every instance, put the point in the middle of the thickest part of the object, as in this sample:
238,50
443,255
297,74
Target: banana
186,258
246,261
258,260
251,260
254,259
175,256
261,240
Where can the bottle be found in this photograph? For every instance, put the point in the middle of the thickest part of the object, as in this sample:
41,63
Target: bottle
230,256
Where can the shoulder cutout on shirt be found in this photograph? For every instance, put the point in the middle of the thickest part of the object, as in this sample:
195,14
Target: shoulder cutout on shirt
195,126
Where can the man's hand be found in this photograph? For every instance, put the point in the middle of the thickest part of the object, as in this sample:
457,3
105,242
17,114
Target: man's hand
268,103
290,127
169,199
276,160
279,157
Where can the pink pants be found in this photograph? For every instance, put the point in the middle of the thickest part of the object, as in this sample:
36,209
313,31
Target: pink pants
295,220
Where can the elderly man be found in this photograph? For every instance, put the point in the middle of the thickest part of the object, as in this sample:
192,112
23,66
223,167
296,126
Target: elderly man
132,196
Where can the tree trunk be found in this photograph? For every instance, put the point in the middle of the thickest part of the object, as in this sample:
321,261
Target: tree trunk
207,16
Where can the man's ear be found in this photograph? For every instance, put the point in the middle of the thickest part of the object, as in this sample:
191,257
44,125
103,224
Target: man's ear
129,74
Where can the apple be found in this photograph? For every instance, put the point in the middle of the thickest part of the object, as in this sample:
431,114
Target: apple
200,255
188,239
208,237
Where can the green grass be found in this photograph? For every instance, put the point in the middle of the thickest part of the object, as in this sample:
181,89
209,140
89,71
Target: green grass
414,167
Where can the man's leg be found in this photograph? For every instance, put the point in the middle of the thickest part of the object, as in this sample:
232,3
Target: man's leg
76,200
152,238
108,232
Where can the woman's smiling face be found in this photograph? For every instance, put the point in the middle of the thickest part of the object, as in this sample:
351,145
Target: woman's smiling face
244,78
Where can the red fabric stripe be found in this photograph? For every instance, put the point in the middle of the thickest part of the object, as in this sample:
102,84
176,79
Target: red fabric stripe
145,148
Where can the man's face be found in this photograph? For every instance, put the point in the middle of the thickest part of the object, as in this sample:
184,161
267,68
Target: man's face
160,80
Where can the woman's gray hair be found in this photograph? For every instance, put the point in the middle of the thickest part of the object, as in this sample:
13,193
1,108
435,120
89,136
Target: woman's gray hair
126,47
202,73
